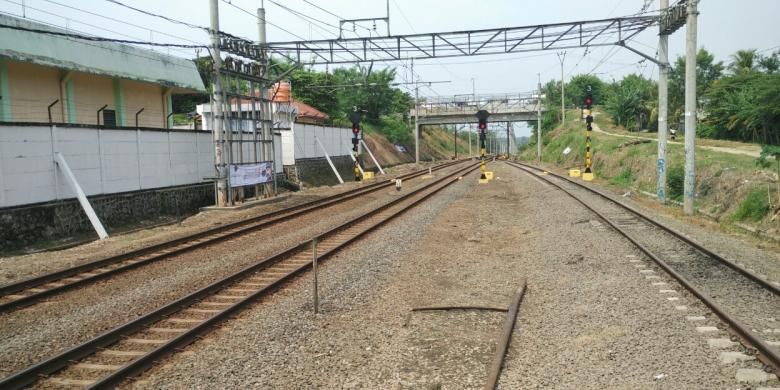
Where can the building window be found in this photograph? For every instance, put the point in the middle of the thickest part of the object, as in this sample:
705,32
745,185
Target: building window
109,118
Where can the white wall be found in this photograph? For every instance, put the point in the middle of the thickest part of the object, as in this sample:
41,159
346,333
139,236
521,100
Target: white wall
103,161
336,140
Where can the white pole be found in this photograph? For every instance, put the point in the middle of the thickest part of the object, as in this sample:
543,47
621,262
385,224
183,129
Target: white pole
327,157
372,157
74,185
663,110
689,183
561,58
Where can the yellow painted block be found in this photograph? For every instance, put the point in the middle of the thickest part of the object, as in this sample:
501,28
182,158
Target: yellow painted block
587,176
489,175
368,175
483,181
574,173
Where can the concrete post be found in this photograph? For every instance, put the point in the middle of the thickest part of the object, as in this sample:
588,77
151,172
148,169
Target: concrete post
217,125
663,110
539,120
561,58
690,109
416,126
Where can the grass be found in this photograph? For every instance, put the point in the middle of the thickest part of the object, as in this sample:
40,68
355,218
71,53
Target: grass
724,182
754,207
624,178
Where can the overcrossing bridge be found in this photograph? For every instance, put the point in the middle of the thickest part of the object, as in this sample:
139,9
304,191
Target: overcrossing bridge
460,109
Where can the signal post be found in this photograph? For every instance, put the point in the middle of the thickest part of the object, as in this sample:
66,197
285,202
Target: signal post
355,118
482,116
588,174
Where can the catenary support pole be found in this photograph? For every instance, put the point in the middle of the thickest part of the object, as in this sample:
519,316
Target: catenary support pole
539,120
217,120
416,119
663,110
561,58
507,138
470,155
689,184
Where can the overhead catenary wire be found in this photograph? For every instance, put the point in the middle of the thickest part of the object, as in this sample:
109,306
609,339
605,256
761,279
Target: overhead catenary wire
101,39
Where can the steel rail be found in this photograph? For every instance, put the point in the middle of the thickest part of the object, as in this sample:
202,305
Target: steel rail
771,357
62,360
179,245
494,373
679,235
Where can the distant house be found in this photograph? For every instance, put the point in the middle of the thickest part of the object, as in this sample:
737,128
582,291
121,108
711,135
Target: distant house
37,69
308,114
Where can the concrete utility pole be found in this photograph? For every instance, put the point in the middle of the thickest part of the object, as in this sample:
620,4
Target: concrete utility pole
663,109
539,120
561,58
689,184
416,119
507,138
218,120
470,141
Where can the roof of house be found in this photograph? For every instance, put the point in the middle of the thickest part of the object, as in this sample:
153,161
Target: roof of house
305,110
103,58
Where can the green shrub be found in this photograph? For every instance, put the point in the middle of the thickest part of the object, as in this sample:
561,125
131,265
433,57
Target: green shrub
675,180
624,179
754,207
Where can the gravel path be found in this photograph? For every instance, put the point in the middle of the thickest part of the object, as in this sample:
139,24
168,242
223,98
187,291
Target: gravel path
28,335
589,319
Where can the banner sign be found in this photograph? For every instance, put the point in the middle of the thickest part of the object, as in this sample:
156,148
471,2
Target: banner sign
251,174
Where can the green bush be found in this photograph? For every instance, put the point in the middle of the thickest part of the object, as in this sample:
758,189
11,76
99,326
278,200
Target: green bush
754,207
675,180
624,179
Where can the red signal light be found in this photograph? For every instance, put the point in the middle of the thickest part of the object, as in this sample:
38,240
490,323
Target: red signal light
482,126
588,101
355,130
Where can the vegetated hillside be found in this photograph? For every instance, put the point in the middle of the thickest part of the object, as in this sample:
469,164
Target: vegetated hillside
436,143
730,188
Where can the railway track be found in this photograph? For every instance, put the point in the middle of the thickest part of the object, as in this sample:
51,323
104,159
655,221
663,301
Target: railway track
111,358
748,303
30,291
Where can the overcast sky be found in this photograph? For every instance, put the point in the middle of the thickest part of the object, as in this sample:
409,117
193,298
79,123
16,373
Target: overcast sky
724,27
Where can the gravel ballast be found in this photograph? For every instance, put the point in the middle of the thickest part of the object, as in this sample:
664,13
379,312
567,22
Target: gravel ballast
31,334
590,319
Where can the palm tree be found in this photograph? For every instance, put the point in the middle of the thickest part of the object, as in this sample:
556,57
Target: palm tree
743,61
770,64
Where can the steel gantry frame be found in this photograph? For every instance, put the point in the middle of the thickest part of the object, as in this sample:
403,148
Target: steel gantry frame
555,36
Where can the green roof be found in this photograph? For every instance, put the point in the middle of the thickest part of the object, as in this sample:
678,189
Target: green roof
103,58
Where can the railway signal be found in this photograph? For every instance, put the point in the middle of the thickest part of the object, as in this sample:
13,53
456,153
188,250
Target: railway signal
482,117
588,174
354,116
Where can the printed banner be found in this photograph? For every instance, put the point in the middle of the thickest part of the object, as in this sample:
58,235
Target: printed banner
251,174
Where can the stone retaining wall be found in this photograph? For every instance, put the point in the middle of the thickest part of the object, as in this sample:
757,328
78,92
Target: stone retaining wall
25,225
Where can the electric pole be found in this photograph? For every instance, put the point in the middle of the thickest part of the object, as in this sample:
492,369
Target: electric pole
539,120
416,118
217,120
561,58
689,184
507,140
663,109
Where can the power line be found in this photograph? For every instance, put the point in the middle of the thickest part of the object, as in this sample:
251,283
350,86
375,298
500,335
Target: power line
175,21
101,39
301,14
322,9
266,21
118,21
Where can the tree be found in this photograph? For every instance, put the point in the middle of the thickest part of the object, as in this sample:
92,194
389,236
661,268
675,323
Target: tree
745,107
743,61
707,71
631,101
575,89
770,63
